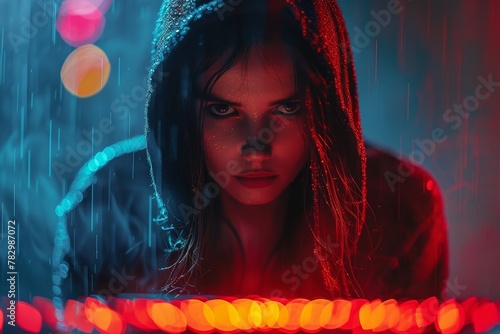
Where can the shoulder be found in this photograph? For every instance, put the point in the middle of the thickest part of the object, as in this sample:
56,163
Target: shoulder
389,174
404,239
400,191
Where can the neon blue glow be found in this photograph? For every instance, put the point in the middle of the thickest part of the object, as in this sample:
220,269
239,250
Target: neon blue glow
82,181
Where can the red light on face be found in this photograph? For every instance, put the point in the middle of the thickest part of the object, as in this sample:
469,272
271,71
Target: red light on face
80,22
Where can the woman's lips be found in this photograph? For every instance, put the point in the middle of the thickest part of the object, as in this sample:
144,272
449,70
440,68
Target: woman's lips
256,179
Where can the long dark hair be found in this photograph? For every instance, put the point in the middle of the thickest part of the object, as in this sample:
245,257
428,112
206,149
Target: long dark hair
329,193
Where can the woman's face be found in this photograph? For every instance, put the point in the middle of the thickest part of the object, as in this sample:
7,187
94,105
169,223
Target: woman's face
254,135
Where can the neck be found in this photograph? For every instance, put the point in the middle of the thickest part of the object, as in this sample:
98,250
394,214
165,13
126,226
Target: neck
258,227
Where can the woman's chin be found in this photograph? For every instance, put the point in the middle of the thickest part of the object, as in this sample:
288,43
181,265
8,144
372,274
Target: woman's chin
256,197
254,200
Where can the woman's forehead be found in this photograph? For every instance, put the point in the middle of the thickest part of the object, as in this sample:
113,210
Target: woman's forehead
267,72
270,61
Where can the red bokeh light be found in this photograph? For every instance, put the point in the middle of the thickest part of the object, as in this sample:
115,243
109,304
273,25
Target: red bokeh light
80,22
28,317
484,317
232,315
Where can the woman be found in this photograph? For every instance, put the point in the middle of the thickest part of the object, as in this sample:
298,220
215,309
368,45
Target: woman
281,190
259,168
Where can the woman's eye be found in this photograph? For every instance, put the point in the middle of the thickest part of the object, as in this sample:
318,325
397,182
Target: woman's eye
220,109
289,108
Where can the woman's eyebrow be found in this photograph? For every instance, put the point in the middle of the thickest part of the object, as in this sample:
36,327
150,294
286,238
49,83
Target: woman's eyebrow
293,96
215,98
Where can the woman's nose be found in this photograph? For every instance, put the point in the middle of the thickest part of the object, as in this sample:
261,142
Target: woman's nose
257,145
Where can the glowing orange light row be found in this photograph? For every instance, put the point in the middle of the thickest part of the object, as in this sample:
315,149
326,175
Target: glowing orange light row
230,315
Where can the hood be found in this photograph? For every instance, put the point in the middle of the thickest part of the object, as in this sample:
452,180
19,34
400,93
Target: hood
326,36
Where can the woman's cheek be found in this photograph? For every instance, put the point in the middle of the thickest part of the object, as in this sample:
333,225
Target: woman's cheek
220,145
294,139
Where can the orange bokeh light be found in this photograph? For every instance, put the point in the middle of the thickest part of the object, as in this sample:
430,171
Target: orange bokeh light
294,308
392,315
450,318
91,304
276,314
339,311
251,314
140,306
226,317
379,316
126,308
85,71
352,322
75,316
406,321
312,318
260,314
199,316
426,312
108,321
167,317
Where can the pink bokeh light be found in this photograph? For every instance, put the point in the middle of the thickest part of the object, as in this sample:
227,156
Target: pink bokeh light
103,5
80,22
